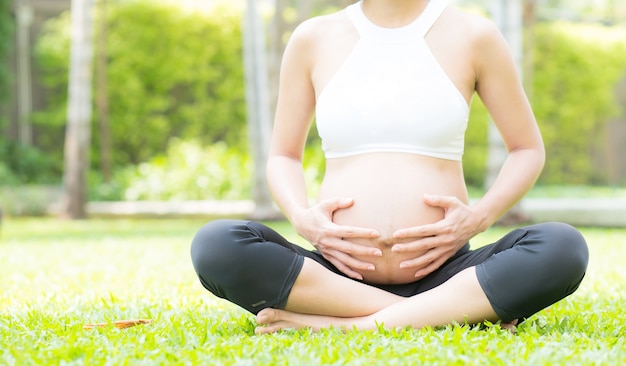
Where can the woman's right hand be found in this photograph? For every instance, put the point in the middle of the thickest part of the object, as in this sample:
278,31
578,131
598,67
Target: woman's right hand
316,225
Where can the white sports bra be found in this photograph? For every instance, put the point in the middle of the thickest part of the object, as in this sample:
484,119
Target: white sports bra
391,95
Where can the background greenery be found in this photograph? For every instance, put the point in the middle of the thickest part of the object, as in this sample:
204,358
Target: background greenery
575,76
6,33
176,82
170,74
59,275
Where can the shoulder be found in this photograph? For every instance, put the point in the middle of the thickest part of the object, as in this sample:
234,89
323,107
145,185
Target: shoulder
313,37
320,28
483,44
476,29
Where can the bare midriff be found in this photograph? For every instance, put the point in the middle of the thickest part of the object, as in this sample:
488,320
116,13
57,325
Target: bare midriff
388,191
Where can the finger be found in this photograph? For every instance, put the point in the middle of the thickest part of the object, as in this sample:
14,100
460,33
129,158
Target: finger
356,232
344,269
428,269
422,261
350,261
419,245
335,204
345,246
441,201
421,231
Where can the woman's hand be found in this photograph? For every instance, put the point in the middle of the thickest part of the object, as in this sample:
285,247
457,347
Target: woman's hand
441,240
315,225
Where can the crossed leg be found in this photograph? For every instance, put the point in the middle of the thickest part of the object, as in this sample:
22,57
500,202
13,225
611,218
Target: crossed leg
320,299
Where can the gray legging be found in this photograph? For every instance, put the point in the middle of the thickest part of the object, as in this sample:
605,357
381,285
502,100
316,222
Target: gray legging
527,270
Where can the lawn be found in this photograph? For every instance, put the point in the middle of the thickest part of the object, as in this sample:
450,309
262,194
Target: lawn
56,276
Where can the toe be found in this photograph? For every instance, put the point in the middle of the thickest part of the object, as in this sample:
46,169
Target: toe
265,316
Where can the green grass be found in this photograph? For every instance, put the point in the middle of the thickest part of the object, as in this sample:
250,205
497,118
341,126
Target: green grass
56,276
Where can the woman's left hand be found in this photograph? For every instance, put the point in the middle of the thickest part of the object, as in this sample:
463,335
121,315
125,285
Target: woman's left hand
441,240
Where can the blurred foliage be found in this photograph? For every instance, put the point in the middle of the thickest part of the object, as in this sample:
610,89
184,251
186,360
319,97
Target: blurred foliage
170,73
20,164
186,171
28,200
597,11
6,38
576,68
475,155
189,170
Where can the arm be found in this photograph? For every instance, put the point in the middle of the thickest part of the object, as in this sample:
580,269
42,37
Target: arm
500,88
294,112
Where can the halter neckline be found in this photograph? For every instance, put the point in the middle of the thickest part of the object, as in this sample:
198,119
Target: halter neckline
417,28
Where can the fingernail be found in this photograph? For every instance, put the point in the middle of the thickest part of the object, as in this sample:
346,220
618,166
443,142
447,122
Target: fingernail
378,253
371,268
403,265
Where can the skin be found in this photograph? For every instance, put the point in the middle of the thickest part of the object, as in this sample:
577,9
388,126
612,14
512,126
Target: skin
377,219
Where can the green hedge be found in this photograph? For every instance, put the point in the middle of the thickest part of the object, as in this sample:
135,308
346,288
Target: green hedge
576,69
170,74
576,72
186,171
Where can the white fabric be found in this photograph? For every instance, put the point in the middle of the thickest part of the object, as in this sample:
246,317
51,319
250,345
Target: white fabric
391,95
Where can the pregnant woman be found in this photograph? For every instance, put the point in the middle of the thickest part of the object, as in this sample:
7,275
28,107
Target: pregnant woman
389,83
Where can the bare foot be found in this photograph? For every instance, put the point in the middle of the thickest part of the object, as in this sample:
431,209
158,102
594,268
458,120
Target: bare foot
274,320
511,327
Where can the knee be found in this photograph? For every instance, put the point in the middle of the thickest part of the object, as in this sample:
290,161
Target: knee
212,247
567,248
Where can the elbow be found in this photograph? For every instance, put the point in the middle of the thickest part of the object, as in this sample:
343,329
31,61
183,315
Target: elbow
533,157
541,155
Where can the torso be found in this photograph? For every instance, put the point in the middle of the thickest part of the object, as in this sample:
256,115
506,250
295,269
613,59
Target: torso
388,190
389,187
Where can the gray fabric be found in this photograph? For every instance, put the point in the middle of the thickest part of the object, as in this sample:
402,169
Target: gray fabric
527,270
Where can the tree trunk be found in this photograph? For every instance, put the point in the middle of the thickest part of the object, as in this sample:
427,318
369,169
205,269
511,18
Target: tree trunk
24,15
529,16
102,101
78,132
258,112
278,28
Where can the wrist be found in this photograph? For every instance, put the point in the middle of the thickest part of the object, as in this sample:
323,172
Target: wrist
484,215
297,218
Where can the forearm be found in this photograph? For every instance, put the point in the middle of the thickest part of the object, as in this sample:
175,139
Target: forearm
286,182
516,177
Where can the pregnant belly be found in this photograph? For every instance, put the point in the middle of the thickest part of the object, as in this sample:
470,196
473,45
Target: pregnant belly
386,219
390,200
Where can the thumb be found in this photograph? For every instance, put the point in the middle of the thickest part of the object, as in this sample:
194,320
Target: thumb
337,203
345,202
440,201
